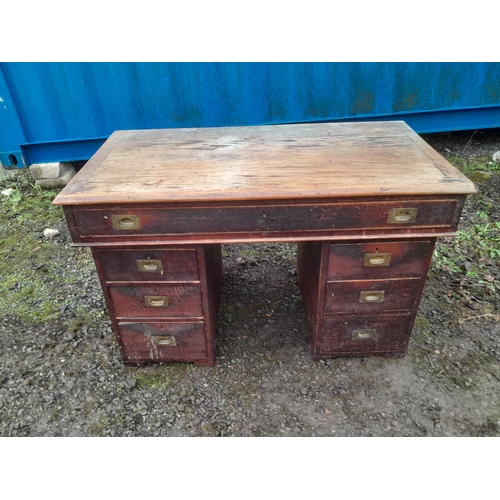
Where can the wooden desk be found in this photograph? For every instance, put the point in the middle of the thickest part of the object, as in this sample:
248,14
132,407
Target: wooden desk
364,201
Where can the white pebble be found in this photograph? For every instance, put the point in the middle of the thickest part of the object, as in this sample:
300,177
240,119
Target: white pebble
50,233
7,192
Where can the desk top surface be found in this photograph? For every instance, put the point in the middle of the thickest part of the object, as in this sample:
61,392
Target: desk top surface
322,160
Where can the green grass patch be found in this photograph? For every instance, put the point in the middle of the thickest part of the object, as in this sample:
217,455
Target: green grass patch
480,241
34,278
473,253
160,376
475,168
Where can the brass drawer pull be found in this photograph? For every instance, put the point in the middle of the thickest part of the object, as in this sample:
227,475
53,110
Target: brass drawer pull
366,334
166,341
377,259
155,301
402,215
149,266
372,296
123,222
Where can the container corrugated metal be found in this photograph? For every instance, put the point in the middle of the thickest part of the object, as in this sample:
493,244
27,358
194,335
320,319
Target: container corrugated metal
65,111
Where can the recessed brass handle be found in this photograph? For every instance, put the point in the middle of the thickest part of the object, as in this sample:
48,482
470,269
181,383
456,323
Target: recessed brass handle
372,296
155,301
367,333
402,215
124,222
377,259
149,265
166,341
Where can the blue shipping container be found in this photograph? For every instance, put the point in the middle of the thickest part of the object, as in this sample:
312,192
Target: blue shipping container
65,111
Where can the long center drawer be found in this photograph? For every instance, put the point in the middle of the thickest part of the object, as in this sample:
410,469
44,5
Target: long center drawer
273,218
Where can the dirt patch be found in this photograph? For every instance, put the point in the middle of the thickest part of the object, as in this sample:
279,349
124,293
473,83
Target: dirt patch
61,373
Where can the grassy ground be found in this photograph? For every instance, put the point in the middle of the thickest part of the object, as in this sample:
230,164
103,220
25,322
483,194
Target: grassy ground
35,282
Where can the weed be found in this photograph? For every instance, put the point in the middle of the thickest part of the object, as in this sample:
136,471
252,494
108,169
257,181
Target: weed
157,377
97,428
83,317
13,199
474,166
422,322
479,241
153,380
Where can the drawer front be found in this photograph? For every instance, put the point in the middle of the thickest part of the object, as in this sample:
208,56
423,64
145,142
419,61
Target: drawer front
370,296
148,265
379,260
353,335
258,219
156,301
163,341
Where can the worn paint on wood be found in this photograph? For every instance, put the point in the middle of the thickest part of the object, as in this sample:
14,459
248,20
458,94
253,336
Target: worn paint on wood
364,335
174,265
140,342
263,163
388,295
405,259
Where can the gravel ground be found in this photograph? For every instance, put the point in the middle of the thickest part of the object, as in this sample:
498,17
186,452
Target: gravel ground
61,373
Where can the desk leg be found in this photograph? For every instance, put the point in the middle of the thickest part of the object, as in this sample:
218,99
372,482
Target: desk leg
210,266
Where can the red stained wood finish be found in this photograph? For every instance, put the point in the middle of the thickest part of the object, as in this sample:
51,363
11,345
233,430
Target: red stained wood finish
284,219
213,265
179,301
386,334
331,303
309,260
176,265
393,295
170,198
406,259
140,342
192,306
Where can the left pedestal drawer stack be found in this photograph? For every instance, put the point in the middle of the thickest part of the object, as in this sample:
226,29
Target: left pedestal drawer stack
163,301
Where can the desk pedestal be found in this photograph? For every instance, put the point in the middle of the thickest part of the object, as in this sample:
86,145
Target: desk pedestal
163,301
361,298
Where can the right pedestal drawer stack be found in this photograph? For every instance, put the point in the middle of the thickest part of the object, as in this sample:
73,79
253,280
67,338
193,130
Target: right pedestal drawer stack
361,297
